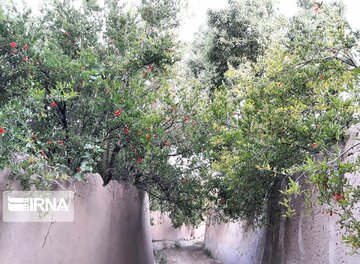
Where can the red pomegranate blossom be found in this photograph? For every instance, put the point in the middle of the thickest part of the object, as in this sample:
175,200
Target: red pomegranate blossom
150,68
26,47
25,58
126,131
49,142
61,142
322,77
53,104
117,113
2,131
338,197
13,45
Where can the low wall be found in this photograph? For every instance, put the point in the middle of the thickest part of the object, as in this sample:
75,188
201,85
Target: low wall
162,230
232,243
303,239
111,226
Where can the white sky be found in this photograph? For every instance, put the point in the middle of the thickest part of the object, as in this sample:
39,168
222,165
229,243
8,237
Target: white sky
197,9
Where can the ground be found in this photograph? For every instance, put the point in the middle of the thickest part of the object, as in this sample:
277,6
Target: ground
184,255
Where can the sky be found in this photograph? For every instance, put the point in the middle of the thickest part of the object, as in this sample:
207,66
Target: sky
195,17
197,9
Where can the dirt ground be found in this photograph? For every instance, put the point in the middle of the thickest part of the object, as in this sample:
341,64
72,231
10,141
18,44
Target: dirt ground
185,255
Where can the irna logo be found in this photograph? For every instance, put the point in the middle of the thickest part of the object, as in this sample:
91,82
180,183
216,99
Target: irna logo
38,206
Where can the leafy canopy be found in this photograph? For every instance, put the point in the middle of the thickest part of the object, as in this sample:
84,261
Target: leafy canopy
284,115
92,89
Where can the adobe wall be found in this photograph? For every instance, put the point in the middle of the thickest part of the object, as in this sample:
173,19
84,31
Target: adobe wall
162,229
111,226
305,239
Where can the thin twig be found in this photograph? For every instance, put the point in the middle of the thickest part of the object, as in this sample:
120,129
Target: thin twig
330,162
61,186
342,154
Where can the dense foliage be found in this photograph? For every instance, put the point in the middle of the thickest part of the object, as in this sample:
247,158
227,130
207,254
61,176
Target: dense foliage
263,100
92,89
284,117
234,35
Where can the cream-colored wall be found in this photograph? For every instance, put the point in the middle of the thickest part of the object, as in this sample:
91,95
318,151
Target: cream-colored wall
304,239
232,243
111,226
162,230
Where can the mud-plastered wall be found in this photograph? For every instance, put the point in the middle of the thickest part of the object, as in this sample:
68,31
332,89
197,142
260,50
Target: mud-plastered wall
163,230
308,238
112,226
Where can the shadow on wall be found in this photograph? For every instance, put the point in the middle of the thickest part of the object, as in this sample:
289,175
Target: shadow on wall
111,226
303,239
